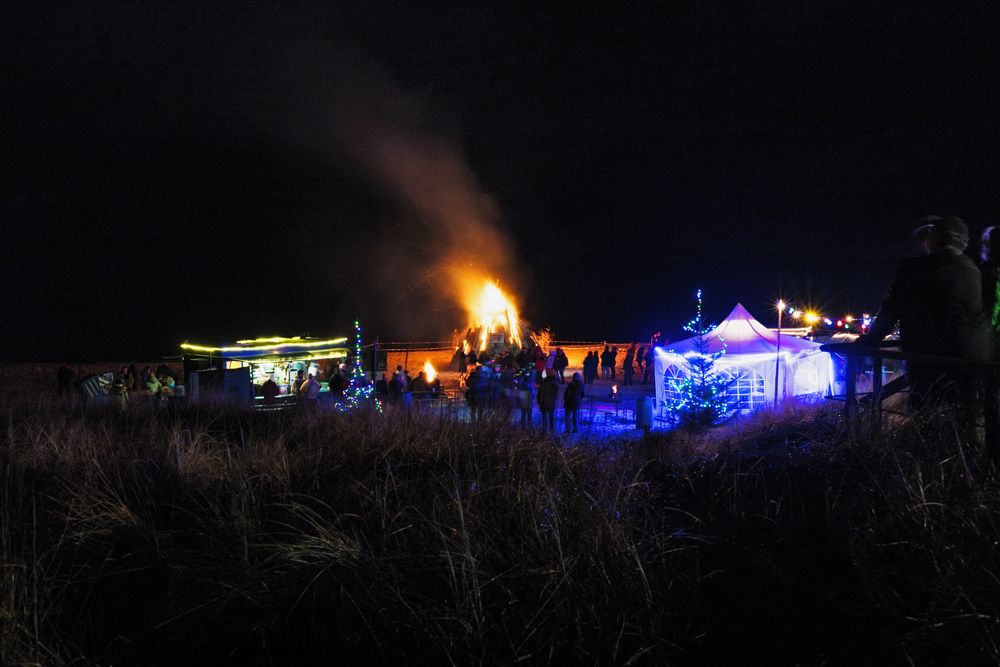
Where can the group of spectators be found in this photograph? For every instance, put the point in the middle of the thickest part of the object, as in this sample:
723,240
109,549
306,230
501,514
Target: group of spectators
638,361
494,389
402,389
127,384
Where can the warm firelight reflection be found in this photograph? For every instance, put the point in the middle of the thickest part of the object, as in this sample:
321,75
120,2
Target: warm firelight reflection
429,371
493,312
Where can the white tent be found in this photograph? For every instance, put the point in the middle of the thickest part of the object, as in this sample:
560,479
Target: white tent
751,352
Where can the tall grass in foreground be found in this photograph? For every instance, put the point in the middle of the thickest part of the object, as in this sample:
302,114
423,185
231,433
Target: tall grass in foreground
219,536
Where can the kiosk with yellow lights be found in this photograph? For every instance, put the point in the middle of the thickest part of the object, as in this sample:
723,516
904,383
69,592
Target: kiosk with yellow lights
238,371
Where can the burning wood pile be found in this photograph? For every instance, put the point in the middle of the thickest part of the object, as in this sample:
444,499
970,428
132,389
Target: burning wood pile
494,325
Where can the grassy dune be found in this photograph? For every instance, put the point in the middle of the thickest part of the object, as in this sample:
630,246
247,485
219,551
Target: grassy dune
214,535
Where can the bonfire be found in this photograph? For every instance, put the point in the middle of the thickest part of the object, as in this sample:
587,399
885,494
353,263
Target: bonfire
494,322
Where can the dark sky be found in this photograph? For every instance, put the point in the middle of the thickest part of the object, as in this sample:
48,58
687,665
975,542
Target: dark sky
192,171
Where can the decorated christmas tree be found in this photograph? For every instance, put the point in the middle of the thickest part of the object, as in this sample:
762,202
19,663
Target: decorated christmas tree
700,392
360,392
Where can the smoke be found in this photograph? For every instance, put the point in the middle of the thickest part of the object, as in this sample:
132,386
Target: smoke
446,238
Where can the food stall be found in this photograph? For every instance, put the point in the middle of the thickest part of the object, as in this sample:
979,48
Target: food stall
238,371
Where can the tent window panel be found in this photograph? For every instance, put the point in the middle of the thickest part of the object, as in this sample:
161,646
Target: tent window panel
746,390
673,376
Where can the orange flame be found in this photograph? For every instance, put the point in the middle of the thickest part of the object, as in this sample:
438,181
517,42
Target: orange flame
429,371
492,311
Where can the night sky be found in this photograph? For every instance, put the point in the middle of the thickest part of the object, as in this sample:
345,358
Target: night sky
187,171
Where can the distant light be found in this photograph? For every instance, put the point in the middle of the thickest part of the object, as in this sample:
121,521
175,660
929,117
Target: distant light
828,322
849,318
840,324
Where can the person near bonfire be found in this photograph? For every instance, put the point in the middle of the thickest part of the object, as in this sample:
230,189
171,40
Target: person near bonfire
572,400
606,363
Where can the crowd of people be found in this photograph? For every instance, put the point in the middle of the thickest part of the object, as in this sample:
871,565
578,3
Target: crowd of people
126,385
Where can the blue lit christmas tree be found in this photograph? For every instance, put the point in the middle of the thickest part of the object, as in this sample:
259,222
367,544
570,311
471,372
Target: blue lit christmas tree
700,392
360,392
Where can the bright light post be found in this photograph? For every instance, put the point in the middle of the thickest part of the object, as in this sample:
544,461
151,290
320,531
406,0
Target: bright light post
777,354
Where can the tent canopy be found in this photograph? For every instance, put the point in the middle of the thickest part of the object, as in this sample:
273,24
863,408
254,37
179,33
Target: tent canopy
740,333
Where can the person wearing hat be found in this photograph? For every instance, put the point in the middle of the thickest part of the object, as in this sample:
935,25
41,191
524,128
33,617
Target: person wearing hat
936,298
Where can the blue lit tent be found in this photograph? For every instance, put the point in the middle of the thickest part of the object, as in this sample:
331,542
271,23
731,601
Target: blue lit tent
751,352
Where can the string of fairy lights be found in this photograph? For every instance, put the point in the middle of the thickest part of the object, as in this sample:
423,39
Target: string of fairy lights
359,390
810,318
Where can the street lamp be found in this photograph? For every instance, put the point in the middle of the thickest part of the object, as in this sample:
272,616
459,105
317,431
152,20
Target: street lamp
777,354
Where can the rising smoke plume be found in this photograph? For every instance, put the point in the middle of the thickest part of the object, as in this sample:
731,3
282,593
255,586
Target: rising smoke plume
447,238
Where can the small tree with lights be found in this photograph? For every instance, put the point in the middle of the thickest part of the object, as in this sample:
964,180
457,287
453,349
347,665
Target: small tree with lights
360,391
700,393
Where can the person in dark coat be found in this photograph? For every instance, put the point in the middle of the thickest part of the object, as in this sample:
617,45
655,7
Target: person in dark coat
269,390
572,400
627,369
613,360
560,364
606,362
548,393
937,299
525,392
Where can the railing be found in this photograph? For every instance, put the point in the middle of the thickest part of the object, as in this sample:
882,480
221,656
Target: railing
887,350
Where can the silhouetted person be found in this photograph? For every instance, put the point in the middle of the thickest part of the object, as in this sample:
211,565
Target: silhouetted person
613,358
627,369
937,300
269,390
548,393
525,397
560,363
606,362
648,372
572,400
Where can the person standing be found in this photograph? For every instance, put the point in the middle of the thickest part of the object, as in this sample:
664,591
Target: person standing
559,364
309,393
627,369
572,400
613,359
548,393
269,390
525,397
606,363
937,300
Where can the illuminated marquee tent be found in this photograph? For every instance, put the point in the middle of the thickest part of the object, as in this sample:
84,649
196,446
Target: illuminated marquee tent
751,351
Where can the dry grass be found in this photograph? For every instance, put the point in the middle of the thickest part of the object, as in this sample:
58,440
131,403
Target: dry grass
218,536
